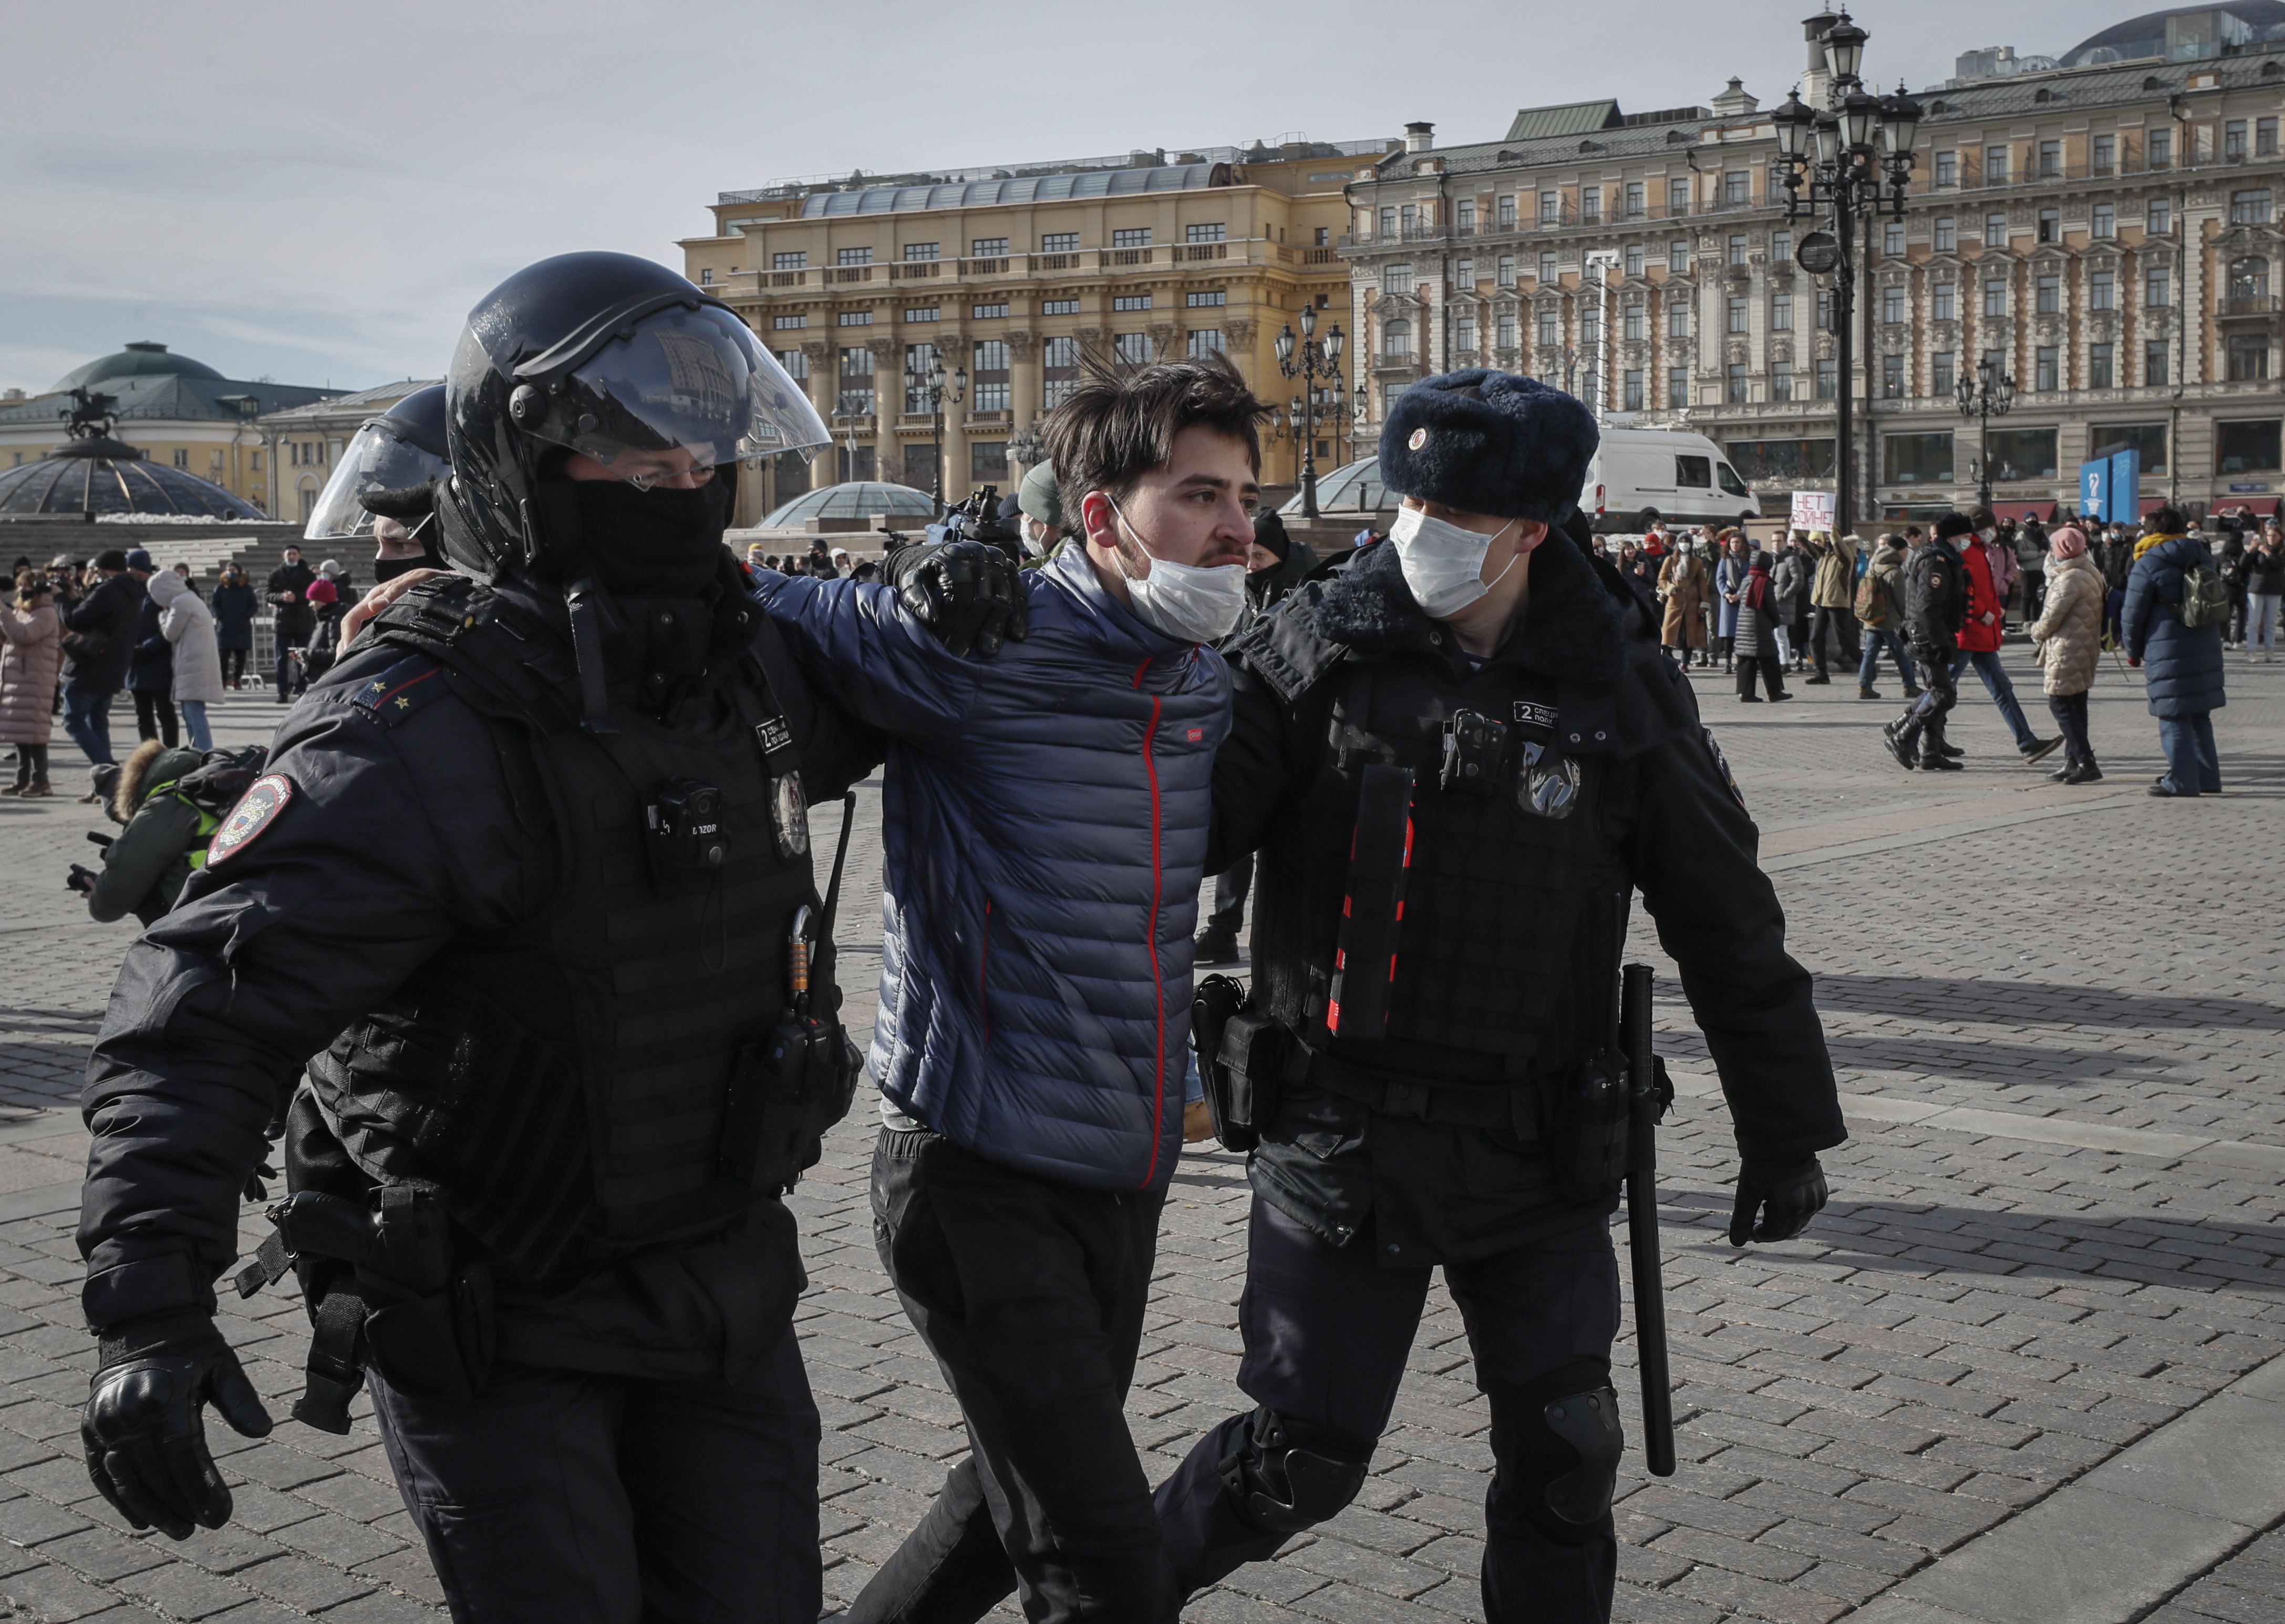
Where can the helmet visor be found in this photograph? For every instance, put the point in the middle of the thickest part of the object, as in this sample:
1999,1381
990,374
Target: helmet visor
686,390
376,459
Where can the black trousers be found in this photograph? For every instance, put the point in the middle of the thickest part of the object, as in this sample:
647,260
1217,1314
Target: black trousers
1327,1331
1229,889
1940,692
561,1497
1032,1295
2069,711
234,665
1767,663
1838,627
154,716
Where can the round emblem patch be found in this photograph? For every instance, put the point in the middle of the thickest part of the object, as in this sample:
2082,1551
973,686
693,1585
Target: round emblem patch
1419,438
263,800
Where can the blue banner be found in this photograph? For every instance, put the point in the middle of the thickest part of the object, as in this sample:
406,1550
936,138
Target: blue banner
2110,488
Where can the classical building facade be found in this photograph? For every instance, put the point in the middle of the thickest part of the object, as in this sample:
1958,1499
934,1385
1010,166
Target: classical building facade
304,441
179,412
2103,229
1014,275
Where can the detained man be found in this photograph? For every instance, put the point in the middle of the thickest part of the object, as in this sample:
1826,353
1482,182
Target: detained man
1044,828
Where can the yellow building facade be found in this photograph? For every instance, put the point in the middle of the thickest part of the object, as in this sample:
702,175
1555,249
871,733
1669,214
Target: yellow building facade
178,411
1014,277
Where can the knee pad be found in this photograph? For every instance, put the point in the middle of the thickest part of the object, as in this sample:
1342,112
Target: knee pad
1558,1441
1290,1475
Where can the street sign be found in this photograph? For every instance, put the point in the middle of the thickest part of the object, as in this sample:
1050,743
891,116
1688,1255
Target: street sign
1812,510
1817,253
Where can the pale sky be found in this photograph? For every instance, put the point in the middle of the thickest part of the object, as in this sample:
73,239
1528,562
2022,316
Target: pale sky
317,192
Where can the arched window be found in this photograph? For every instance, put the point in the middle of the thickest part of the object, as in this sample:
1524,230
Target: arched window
1396,339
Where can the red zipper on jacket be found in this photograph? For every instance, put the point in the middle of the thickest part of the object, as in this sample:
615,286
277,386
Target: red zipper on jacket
1150,940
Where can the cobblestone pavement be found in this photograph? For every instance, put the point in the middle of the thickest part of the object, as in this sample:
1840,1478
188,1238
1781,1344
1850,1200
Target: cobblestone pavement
1979,1318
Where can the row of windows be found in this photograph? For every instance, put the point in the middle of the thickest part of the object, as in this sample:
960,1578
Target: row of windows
988,368
1201,299
996,247
1736,187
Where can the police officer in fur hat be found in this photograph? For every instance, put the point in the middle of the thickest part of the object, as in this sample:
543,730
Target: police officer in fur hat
1458,758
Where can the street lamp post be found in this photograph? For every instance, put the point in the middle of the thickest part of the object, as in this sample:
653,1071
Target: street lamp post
1317,365
1989,395
933,386
1852,160
1029,448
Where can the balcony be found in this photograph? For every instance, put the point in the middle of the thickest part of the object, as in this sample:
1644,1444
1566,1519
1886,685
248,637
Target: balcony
848,273
1397,361
2244,305
916,269
1107,259
1244,253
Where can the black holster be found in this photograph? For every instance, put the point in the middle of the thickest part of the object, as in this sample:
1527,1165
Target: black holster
386,1288
1587,1115
1242,1054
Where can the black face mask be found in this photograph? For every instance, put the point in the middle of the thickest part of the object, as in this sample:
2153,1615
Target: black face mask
389,568
652,543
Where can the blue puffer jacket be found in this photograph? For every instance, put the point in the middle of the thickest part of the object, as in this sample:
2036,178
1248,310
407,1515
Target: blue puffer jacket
2181,664
1044,817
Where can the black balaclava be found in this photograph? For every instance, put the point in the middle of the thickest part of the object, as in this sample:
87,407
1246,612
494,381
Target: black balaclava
428,558
658,553
651,544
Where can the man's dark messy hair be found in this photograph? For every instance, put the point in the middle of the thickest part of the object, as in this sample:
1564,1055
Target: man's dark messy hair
1120,424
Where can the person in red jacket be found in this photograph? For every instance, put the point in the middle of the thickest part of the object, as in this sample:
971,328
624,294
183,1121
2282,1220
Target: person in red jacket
1980,636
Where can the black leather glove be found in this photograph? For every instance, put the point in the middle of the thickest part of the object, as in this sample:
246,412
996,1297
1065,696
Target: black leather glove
969,592
145,1438
1786,1193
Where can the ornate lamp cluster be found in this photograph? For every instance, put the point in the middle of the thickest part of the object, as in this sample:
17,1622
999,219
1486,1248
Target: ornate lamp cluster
1316,362
1850,161
1988,395
934,385
1855,154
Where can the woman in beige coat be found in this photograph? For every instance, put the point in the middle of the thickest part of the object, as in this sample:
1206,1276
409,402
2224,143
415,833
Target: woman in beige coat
31,658
1683,586
2069,634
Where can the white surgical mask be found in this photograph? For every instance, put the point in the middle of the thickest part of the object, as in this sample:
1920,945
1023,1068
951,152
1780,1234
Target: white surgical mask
1443,564
1188,602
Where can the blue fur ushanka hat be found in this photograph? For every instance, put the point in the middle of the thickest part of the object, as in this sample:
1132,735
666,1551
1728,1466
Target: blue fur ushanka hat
1488,441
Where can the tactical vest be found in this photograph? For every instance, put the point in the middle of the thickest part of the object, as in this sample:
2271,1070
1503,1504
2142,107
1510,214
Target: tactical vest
1514,899
566,1085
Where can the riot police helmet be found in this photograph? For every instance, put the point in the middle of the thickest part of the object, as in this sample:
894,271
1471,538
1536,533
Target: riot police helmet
399,452
611,357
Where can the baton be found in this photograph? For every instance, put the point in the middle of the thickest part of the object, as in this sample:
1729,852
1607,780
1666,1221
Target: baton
1649,1104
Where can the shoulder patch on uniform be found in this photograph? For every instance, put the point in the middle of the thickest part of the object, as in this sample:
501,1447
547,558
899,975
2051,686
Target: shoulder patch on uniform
401,690
260,804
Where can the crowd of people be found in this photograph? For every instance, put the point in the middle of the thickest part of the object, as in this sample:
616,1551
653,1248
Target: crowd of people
1940,601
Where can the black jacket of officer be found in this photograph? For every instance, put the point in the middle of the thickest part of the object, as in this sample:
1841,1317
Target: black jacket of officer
461,895
1935,596
1510,932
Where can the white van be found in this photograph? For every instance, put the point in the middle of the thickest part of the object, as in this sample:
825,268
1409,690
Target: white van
1639,475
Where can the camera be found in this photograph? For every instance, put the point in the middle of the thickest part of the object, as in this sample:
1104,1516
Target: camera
977,519
1475,755
683,825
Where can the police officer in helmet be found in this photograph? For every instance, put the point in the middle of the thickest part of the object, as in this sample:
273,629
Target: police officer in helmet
1458,758
528,886
398,460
